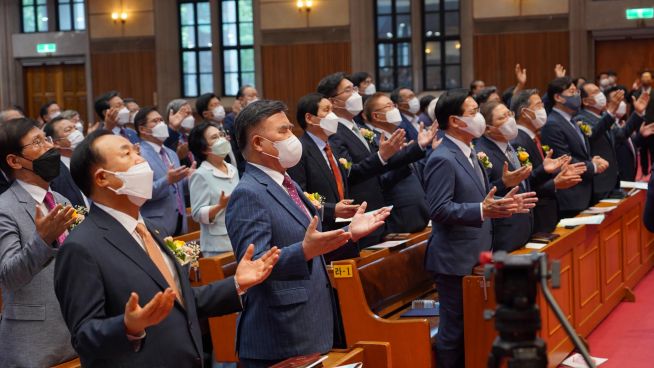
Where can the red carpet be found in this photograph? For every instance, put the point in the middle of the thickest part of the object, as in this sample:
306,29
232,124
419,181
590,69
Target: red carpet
626,336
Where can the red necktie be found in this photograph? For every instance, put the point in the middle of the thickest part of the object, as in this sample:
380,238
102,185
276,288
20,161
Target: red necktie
290,188
336,171
50,204
540,148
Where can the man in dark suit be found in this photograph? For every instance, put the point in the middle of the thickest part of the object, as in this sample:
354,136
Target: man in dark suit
548,175
409,106
65,138
114,258
291,313
210,108
350,143
647,148
460,207
114,115
401,187
601,115
567,138
179,117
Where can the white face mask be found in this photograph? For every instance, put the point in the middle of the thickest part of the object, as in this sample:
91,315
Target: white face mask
370,90
289,150
188,122
393,116
123,116
414,105
75,138
354,104
218,113
137,183
600,101
221,147
540,117
622,109
160,131
476,125
80,126
54,115
509,129
329,124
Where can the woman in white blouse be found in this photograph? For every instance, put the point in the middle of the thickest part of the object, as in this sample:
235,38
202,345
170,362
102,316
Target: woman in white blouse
210,187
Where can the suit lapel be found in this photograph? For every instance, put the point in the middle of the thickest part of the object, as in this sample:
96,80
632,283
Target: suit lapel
25,198
465,163
574,131
349,135
314,153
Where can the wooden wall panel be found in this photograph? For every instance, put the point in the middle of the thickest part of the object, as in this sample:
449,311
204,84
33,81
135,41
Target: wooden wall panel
626,57
495,57
132,73
611,253
587,258
291,71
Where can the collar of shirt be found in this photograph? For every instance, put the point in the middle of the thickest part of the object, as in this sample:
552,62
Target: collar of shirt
349,124
563,113
156,147
502,145
465,148
319,142
34,191
594,114
381,131
116,130
218,173
276,176
528,131
66,161
125,220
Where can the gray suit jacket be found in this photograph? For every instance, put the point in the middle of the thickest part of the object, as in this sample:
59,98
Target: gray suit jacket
32,330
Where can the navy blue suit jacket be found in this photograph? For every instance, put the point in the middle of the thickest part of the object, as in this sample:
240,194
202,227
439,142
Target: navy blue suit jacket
648,213
65,185
454,193
513,232
290,313
563,139
98,267
411,132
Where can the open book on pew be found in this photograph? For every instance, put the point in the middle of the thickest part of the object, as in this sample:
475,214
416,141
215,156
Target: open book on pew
633,184
585,220
340,219
423,308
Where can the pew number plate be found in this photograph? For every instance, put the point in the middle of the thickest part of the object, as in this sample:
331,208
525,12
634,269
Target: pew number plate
342,271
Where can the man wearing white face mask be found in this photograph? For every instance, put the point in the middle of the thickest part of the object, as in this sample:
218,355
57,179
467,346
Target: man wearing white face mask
409,106
65,138
114,116
601,115
49,111
548,175
180,122
363,81
211,109
167,207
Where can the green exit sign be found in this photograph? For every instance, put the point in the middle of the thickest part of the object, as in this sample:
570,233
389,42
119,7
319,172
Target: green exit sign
640,13
46,48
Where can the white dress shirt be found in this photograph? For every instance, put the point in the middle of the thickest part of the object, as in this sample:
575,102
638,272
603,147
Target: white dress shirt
528,131
37,193
66,161
415,121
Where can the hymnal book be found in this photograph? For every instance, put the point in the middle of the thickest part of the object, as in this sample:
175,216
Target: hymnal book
543,237
423,308
304,361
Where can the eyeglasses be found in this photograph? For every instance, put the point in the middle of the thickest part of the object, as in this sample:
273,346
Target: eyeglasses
39,142
350,89
387,106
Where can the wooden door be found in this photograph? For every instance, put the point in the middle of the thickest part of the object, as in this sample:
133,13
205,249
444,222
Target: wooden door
626,57
65,84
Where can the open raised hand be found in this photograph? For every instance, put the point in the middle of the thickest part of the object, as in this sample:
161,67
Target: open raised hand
363,224
138,318
389,147
316,243
52,225
513,178
253,272
499,208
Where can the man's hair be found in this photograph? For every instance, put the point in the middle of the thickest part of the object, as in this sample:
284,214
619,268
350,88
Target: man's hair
521,101
10,136
241,91
425,101
484,94
141,117
49,127
450,104
4,113
474,84
619,87
486,111
395,95
358,77
102,103
202,102
251,116
369,106
328,86
557,86
582,89
43,111
85,156
197,144
68,114
127,100
307,104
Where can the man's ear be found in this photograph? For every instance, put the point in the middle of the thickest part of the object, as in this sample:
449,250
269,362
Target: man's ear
12,161
207,114
454,122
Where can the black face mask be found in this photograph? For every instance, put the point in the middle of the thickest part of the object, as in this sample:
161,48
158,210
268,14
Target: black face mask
47,165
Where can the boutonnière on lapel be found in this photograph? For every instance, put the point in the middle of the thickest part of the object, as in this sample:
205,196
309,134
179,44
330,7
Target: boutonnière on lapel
585,128
545,148
484,160
315,198
523,157
367,134
185,253
345,163
79,214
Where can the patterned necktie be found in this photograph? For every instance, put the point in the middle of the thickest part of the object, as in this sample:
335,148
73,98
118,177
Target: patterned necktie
178,194
154,252
515,162
477,167
540,147
49,202
336,171
292,192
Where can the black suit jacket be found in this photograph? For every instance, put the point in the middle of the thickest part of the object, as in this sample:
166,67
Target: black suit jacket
562,137
513,232
546,211
4,183
65,185
98,267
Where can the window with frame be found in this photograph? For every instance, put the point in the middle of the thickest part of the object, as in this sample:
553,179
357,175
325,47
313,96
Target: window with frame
237,45
393,44
71,15
34,16
441,43
195,46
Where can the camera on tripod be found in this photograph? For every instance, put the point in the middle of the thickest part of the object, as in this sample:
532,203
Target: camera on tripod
517,316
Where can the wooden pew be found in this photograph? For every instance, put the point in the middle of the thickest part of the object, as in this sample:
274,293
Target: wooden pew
75,363
371,353
192,225
377,291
